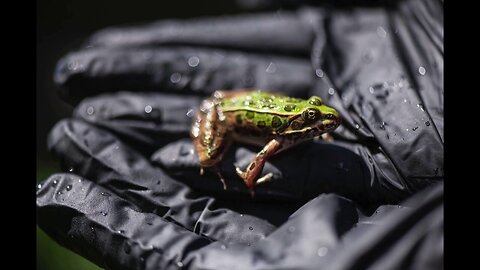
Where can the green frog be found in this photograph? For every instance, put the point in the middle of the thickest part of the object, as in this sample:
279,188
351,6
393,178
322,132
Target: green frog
272,121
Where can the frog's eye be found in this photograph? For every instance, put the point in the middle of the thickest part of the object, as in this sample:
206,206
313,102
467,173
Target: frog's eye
311,114
315,101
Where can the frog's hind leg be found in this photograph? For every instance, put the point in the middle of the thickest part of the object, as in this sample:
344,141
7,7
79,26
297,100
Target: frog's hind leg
210,137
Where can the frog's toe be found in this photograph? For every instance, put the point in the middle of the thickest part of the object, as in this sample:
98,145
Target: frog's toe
266,178
240,172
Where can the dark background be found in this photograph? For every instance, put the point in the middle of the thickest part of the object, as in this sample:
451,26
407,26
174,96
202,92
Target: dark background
61,26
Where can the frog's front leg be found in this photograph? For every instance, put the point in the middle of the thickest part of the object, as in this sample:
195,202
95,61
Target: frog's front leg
255,167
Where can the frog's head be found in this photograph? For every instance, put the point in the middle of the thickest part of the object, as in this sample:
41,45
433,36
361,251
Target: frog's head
314,119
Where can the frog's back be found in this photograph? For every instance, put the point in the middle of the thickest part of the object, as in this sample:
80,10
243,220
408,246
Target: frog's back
256,115
264,102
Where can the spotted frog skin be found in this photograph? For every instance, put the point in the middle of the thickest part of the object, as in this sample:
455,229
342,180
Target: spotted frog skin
256,117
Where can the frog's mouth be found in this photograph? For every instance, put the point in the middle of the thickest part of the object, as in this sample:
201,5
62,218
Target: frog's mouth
312,131
298,128
327,125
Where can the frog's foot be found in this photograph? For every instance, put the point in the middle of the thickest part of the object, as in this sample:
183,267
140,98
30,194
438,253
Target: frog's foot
251,184
247,177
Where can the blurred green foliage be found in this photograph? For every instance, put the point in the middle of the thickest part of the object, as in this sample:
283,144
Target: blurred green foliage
51,256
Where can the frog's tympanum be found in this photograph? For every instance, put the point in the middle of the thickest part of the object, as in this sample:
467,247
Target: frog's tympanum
260,118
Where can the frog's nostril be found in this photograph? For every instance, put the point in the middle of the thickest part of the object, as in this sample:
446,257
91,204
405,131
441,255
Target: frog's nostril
329,116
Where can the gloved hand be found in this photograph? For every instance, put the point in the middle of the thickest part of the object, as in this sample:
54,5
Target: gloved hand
131,195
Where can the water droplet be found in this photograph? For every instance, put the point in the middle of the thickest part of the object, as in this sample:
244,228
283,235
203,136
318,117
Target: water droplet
175,77
319,73
148,109
179,264
223,247
415,128
421,107
367,57
80,180
193,61
106,194
250,228
70,169
322,251
72,65
406,129
331,91
422,70
186,150
68,187
190,113
405,100
90,110
427,123
127,248
291,229
381,32
271,68
121,231
54,182
92,229
39,186
382,125
357,126
103,213
380,90
59,193
241,215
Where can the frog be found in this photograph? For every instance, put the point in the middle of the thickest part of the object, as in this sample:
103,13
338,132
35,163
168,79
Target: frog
270,120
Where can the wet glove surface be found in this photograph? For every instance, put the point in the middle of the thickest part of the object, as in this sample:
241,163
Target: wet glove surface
131,196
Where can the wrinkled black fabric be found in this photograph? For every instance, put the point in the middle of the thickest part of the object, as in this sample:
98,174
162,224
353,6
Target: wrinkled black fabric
130,195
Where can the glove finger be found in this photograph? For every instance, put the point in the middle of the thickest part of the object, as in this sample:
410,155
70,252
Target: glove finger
288,33
350,237
178,70
300,173
108,230
411,235
388,88
97,155
146,121
146,241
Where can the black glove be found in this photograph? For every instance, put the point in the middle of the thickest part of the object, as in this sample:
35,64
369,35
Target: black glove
132,197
